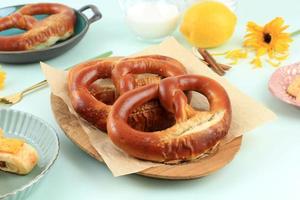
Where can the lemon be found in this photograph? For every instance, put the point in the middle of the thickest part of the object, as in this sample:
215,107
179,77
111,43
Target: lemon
208,24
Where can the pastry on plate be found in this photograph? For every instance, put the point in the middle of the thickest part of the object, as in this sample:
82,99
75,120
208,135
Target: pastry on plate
294,88
16,156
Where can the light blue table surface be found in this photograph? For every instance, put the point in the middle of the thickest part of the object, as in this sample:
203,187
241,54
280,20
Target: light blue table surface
267,166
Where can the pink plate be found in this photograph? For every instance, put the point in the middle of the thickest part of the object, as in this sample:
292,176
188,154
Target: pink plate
281,79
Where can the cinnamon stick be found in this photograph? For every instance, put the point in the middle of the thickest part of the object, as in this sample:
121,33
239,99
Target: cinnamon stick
224,67
212,62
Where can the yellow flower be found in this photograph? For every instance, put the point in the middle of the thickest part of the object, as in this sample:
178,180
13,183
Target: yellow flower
269,39
2,78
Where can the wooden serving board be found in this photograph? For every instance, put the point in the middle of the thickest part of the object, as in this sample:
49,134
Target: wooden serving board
189,170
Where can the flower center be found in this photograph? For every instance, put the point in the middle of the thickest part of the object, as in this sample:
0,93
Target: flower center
267,38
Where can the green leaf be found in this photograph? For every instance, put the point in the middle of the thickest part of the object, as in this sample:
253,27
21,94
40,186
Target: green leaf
103,55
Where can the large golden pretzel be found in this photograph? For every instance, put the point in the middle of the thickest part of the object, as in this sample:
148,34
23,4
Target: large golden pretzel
195,132
149,117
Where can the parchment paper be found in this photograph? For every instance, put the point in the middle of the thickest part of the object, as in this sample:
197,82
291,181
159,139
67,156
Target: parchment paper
244,108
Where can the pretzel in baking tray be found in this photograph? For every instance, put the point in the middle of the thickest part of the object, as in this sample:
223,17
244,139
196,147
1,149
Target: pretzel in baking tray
59,25
148,117
194,133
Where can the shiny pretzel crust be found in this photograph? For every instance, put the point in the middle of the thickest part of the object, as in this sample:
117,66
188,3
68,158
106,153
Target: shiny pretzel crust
147,117
39,34
191,137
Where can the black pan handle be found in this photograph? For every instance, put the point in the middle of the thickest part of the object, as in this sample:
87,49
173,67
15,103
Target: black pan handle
97,14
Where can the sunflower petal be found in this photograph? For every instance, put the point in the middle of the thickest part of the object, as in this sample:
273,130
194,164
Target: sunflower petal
273,63
2,78
256,62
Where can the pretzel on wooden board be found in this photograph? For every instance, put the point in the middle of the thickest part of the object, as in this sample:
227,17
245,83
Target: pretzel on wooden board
148,117
195,132
59,25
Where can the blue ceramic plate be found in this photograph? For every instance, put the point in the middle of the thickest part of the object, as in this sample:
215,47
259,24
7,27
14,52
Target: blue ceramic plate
40,135
81,27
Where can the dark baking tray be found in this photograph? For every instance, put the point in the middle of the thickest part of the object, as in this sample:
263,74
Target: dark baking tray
30,56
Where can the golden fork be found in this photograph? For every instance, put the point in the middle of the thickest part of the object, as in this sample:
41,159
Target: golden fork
17,97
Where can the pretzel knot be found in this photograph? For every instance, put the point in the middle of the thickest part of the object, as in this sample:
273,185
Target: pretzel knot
195,132
59,25
94,103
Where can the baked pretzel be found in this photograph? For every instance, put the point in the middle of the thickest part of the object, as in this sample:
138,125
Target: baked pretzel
148,117
195,132
59,25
